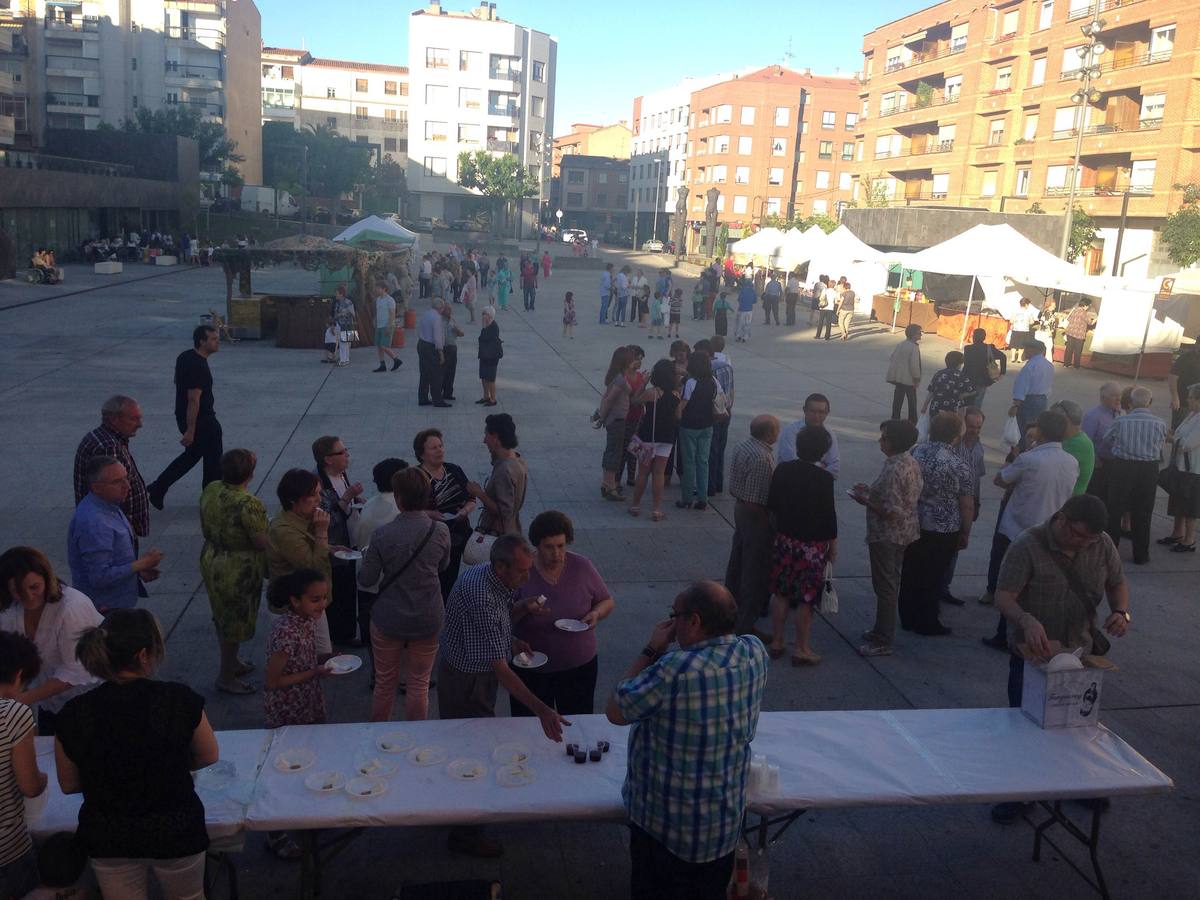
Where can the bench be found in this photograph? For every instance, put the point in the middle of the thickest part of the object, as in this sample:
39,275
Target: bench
166,260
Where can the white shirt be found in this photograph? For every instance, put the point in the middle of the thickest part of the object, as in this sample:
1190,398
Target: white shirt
56,636
829,297
1023,318
385,310
1045,478
785,448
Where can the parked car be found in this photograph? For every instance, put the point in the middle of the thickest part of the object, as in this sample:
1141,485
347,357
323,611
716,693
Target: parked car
423,223
617,239
322,215
654,245
571,235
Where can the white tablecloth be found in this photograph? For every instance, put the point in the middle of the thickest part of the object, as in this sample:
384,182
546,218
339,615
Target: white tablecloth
826,759
224,811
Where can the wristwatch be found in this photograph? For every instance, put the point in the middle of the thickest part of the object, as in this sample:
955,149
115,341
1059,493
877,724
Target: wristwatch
650,653
1125,613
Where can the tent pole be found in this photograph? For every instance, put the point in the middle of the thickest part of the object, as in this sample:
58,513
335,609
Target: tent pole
896,305
1145,337
962,338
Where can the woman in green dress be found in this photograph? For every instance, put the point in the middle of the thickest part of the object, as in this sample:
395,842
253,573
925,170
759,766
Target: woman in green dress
503,282
233,562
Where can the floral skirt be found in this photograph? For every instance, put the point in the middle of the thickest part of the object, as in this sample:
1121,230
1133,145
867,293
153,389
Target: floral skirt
798,569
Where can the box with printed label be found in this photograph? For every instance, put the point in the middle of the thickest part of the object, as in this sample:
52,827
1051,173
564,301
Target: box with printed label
1065,699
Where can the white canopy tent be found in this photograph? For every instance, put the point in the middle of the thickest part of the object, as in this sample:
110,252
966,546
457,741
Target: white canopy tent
841,253
760,246
798,247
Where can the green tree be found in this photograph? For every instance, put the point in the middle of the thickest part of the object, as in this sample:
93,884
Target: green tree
824,221
924,94
1083,235
217,150
502,179
1181,231
387,190
335,165
722,240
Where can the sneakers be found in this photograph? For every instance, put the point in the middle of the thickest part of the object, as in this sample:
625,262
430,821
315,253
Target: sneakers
873,649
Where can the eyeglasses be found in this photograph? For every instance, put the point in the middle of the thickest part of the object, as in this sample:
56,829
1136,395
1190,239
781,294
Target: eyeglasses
124,479
1081,533
341,452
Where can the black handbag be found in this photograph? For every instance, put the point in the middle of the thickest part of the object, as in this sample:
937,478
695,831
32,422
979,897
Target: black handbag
1090,602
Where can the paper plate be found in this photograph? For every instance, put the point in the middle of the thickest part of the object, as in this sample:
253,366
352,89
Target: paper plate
570,625
511,754
394,742
533,660
427,756
515,776
344,664
295,760
467,770
365,788
325,782
374,767
351,555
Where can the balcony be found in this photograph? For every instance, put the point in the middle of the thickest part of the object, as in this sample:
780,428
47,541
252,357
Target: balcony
1105,128
7,82
72,66
504,73
1093,191
8,130
935,147
394,125
82,26
212,7
941,51
935,101
73,102
1086,12
16,159
211,37
501,146
1115,65
510,110
206,76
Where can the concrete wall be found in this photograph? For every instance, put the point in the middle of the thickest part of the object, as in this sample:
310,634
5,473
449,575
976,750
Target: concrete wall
161,157
243,80
915,228
47,189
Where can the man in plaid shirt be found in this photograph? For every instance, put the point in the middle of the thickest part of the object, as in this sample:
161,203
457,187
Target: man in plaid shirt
120,419
694,712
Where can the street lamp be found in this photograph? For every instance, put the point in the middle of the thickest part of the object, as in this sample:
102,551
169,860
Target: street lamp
1089,68
657,179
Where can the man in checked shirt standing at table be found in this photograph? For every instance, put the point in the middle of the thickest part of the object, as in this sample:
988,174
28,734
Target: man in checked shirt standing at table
694,712
1135,441
748,572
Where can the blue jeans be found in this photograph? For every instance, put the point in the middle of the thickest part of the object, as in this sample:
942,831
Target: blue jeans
20,876
605,299
694,444
716,458
622,302
1031,407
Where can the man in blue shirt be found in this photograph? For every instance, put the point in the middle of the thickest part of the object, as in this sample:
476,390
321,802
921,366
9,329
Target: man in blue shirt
1031,390
694,712
606,292
745,316
100,541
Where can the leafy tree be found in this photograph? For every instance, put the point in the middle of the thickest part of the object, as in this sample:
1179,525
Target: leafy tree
722,240
825,222
1036,209
335,164
1181,231
502,179
386,190
216,148
924,94
1083,235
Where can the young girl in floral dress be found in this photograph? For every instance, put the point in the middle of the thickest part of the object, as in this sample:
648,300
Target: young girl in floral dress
569,316
293,693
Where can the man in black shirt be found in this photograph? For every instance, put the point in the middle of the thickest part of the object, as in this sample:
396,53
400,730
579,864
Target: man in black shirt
1184,373
194,414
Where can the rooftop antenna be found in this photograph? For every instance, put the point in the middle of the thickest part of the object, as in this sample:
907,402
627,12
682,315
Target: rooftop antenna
788,55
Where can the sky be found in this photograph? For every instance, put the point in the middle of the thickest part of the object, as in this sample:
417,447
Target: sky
609,52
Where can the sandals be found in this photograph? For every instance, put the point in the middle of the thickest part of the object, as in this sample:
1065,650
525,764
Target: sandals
1184,548
872,649
234,687
657,516
244,668
805,659
611,493
1168,541
635,511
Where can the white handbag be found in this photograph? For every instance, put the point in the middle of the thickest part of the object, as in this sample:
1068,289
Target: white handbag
478,549
829,597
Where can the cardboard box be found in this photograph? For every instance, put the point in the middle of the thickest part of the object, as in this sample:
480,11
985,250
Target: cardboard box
109,267
1068,699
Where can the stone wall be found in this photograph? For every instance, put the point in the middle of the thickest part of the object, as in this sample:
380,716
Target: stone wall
915,227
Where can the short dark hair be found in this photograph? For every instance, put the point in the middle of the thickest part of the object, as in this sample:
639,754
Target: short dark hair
945,427
812,442
663,376
237,465
18,654
200,334
1088,510
817,398
717,342
699,365
900,434
505,549
504,428
1035,348
281,590
954,359
912,331
1052,425
383,472
703,346
419,441
97,464
296,484
978,336
411,489
712,604
551,523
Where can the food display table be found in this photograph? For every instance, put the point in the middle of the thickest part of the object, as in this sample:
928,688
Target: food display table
923,314
950,326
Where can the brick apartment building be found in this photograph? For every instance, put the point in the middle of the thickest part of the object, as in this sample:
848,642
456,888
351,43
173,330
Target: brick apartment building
966,104
594,194
772,142
591,140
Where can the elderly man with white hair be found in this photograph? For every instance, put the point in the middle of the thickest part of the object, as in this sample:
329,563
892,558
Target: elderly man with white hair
1136,442
1095,424
431,354
120,420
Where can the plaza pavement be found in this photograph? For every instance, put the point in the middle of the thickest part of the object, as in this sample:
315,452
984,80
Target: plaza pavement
64,353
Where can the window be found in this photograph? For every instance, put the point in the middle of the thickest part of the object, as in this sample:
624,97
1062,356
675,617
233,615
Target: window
747,115
436,131
891,101
1008,24
1022,186
539,71
468,60
330,93
723,114
739,204
825,150
945,136
437,58
829,119
953,87
988,187
822,179
778,146
1037,74
1031,125
1064,121
775,176
719,174
1152,109
435,165
133,63
1004,78
720,143
800,155
958,38
360,85
389,88
844,181
574,199
996,132
781,115
602,178
1046,16
1071,60
537,106
888,146
745,145
389,145
393,117
851,121
404,89
288,72
361,113
741,175
1162,42
575,176
437,94
848,151
1141,175
360,139
469,134
602,198
1056,179
774,206
858,152
469,98
941,185
720,203
331,122
820,206
535,142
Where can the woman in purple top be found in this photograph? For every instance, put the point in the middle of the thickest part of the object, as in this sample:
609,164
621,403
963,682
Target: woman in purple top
573,590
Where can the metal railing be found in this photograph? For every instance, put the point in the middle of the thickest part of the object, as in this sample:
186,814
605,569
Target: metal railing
1116,65
501,146
19,159
1085,11
918,58
196,33
187,70
938,147
57,98
1106,128
86,23
79,63
509,110
1135,190
935,101
504,73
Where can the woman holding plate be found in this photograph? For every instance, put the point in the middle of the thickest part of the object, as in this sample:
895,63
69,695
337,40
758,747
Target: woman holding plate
448,495
575,593
340,498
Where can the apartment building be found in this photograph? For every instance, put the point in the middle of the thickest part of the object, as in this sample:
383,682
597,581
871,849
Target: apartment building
364,102
773,142
591,140
478,82
659,149
594,193
973,105
84,62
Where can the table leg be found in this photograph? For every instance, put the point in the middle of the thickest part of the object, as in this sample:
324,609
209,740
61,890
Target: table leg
308,863
760,834
1091,840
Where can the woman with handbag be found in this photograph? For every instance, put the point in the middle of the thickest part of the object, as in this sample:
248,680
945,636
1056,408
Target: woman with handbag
344,321
1184,478
491,351
629,462
800,503
983,364
503,495
614,407
655,436
408,554
449,497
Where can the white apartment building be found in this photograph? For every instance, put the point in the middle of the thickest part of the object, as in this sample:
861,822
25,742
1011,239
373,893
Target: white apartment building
83,62
658,157
364,102
477,82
